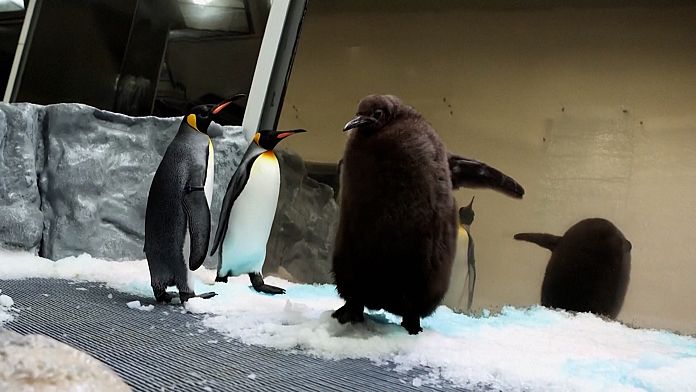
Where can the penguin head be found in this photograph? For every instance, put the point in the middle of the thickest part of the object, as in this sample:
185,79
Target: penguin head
200,117
466,213
374,112
269,139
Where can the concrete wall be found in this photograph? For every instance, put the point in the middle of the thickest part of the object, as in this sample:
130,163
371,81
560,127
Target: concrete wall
591,108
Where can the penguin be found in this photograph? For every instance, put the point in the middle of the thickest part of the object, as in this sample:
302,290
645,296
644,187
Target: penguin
589,269
397,229
177,216
247,212
465,254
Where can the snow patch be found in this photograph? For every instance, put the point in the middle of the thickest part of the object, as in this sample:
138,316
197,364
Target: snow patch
518,349
138,306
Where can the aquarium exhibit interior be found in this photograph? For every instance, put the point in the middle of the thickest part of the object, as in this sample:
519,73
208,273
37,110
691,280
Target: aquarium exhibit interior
349,195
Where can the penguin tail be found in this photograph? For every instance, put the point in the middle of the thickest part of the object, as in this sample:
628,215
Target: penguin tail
548,241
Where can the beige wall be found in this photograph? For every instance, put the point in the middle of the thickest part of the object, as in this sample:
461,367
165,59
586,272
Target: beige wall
593,110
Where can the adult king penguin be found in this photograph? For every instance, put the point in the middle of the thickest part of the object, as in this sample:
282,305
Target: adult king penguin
248,210
177,219
397,228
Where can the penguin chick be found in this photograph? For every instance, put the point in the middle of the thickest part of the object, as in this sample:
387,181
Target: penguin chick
397,230
589,268
177,216
247,212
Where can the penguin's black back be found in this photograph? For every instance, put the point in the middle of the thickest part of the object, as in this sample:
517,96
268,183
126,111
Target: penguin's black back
589,269
396,238
184,163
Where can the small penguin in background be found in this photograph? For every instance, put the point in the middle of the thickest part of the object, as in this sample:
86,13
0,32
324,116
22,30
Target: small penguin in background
247,212
177,218
466,218
589,267
397,229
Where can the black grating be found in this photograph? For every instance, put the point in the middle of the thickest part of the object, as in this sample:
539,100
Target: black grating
154,351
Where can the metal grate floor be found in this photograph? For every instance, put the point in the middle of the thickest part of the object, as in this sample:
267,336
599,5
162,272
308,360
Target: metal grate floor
158,351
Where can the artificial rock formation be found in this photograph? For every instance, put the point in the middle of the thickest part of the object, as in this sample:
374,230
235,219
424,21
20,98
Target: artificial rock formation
75,179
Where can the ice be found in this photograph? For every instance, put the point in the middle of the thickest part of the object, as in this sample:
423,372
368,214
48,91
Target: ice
137,305
251,376
110,296
6,301
516,349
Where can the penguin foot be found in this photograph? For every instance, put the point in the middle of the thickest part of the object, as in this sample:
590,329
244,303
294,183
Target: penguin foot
261,287
412,325
163,297
222,279
268,289
183,296
349,313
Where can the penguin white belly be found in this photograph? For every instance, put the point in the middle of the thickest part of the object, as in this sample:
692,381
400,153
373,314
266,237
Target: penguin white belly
210,175
251,219
460,269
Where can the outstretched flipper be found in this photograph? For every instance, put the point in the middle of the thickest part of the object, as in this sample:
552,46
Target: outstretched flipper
471,173
261,287
548,241
198,217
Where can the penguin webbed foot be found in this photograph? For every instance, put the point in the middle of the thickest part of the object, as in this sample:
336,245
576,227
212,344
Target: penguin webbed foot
162,296
261,287
412,324
222,279
349,313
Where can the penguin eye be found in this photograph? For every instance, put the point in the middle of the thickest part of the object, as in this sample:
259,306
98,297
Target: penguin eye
377,115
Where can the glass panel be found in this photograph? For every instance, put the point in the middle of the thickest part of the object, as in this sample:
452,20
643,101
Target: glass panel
590,107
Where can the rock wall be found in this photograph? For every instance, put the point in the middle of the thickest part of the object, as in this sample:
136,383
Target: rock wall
75,179
305,225
21,219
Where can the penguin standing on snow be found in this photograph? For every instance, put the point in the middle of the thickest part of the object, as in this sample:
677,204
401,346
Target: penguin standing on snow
177,218
466,218
397,228
248,210
589,268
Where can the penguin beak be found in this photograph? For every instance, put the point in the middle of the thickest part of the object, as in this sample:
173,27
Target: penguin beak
359,121
284,134
471,173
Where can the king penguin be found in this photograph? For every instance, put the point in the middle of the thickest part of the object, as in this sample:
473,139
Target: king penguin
248,210
177,218
464,259
397,228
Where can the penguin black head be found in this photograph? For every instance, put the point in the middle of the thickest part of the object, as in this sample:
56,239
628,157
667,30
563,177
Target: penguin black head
374,112
466,213
269,139
200,117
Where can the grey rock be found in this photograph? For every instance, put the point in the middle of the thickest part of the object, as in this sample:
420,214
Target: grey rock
99,167
304,228
94,173
21,220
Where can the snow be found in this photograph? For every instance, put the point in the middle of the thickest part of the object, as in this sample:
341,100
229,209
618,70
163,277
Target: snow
137,305
517,349
6,303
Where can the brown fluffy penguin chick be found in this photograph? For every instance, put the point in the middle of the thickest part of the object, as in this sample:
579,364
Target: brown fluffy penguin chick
397,231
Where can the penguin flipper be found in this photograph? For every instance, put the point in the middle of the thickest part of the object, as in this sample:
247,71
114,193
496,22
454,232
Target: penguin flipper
234,189
548,241
471,173
198,217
